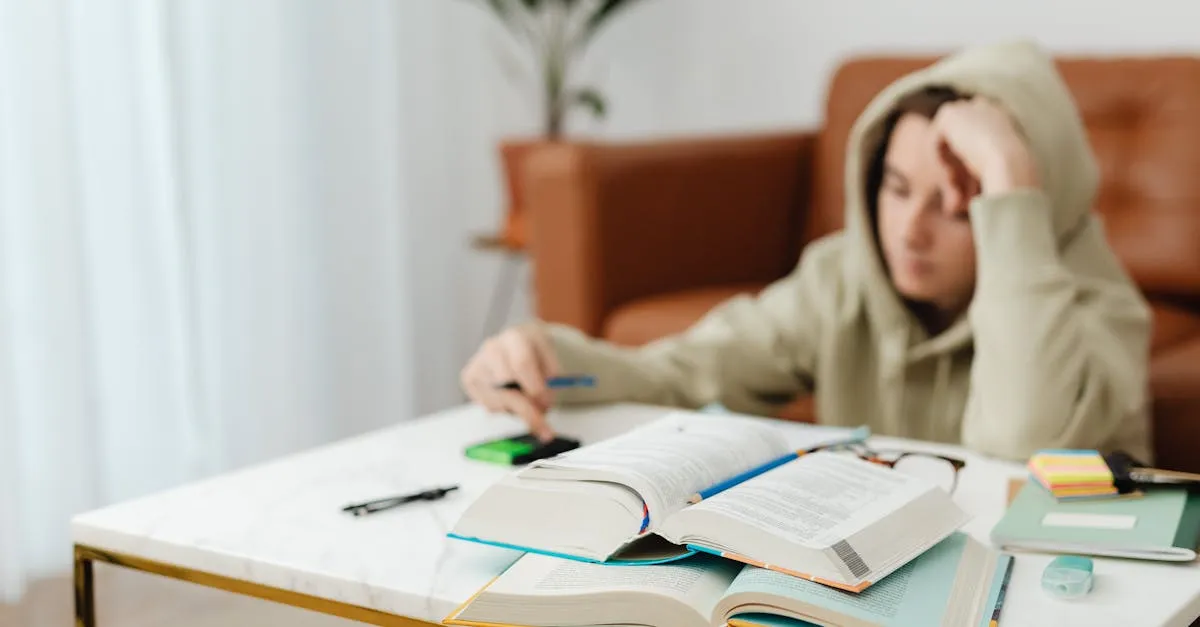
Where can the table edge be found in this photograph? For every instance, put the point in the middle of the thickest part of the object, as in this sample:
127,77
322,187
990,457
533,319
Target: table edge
340,609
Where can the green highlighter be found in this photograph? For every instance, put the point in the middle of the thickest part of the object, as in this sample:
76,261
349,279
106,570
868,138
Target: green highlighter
518,450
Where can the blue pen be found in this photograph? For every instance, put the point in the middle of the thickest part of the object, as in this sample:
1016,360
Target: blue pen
554,383
858,435
1008,570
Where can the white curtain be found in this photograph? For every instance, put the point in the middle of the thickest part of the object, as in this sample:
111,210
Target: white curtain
220,241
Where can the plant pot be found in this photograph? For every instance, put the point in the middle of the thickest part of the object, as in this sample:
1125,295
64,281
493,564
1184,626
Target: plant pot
513,153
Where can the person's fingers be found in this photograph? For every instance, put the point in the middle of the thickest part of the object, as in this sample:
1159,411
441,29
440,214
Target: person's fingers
520,405
476,382
464,377
488,397
469,375
522,359
946,153
495,369
974,188
961,186
951,195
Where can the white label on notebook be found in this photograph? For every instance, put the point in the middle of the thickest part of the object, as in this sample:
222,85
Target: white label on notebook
1089,521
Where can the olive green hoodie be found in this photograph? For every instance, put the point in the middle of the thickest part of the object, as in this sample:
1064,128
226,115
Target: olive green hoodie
1052,351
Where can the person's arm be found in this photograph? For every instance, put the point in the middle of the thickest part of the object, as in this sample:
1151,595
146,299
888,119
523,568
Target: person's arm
750,353
1061,338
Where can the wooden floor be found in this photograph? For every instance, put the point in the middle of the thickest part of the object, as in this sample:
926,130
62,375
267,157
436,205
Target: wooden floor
126,598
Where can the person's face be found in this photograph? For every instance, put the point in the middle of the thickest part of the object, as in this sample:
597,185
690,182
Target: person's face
928,245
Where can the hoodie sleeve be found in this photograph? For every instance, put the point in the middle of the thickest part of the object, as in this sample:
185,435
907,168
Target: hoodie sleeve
751,353
1061,338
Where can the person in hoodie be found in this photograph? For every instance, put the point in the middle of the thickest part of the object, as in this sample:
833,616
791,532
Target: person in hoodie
971,297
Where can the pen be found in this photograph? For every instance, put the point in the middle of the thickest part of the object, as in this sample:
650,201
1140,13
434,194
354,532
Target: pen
571,381
858,435
1000,596
370,507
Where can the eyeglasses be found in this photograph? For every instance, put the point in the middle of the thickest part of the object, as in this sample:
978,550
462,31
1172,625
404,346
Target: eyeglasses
940,470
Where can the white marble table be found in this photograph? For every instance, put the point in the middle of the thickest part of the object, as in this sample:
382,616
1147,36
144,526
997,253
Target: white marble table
275,531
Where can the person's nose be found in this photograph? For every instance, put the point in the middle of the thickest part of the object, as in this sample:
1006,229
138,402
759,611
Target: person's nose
915,229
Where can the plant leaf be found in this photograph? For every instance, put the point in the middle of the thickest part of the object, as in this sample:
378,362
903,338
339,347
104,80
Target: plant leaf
513,68
591,99
500,7
606,10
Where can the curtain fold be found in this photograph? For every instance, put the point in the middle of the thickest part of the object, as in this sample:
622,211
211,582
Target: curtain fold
209,252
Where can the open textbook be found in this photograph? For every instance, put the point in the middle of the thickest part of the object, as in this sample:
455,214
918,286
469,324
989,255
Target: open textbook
824,516
957,583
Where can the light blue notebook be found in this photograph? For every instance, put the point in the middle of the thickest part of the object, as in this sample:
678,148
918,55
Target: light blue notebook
921,593
957,583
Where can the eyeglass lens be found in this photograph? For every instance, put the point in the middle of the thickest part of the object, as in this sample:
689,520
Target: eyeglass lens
935,470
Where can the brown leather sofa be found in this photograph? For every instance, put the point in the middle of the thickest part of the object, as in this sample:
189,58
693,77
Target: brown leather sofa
632,241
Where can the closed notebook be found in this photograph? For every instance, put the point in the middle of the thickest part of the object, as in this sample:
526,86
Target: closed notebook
1163,524
956,583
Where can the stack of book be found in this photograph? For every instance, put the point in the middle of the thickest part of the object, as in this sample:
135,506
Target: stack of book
630,531
1073,474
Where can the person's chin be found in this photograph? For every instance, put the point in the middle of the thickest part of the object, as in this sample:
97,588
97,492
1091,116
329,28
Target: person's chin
912,288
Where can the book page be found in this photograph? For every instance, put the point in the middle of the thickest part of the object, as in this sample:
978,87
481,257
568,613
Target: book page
917,593
670,459
816,500
697,581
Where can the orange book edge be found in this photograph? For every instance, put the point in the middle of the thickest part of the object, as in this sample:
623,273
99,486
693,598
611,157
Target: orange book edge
452,618
1016,483
787,571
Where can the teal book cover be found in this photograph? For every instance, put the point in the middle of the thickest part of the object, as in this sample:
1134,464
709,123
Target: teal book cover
632,558
918,594
1160,524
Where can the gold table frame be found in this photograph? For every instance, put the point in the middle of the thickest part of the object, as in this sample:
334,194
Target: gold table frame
85,600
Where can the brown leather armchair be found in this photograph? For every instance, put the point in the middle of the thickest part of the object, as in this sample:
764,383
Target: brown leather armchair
633,241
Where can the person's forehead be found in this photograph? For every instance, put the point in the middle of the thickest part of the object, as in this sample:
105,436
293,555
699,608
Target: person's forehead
912,148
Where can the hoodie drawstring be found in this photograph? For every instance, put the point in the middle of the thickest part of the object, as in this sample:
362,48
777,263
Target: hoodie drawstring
898,374
940,406
941,384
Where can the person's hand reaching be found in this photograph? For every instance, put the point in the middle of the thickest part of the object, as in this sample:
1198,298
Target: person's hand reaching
523,354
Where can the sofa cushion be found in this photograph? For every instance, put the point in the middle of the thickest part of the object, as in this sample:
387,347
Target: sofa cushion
1172,325
646,319
1173,382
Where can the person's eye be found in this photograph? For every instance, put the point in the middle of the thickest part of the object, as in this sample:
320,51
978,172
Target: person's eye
897,191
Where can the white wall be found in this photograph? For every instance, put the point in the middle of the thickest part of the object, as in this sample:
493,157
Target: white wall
675,67
756,64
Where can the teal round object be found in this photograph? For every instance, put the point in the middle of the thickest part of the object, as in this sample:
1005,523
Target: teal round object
1068,576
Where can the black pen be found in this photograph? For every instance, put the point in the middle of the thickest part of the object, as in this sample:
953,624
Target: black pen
370,507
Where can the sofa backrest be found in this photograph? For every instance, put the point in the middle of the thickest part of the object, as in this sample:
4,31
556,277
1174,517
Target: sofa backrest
1143,119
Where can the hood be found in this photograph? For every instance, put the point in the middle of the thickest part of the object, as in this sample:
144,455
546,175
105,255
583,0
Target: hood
1022,78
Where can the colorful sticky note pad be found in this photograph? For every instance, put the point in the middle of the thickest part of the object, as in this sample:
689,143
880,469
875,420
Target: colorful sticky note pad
1073,473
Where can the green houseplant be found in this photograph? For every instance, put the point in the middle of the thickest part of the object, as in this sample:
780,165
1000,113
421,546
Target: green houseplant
556,33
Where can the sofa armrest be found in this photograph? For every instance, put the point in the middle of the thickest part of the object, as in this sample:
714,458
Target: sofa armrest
613,222
1175,384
